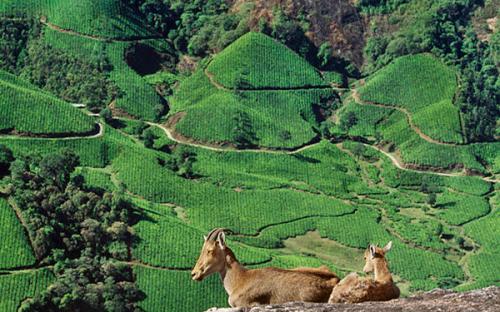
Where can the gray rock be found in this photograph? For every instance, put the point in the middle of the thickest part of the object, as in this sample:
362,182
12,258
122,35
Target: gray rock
481,300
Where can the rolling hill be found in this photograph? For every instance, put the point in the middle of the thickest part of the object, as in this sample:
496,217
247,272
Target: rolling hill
256,61
109,19
255,142
279,100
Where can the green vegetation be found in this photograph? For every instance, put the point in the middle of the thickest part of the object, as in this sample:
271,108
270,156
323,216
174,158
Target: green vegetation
137,97
158,286
115,222
96,152
16,250
335,78
81,79
272,117
256,61
194,27
27,109
425,88
14,288
107,18
444,28
392,127
459,209
484,262
62,221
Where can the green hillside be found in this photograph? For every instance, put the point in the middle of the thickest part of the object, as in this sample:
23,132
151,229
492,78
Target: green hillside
256,61
105,18
423,86
27,109
16,250
278,118
306,146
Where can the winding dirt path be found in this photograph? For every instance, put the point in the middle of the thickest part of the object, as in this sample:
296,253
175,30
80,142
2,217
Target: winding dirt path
98,134
176,138
48,24
357,98
172,135
25,270
267,226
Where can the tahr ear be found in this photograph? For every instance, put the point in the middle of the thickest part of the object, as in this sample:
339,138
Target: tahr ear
204,237
388,246
221,238
372,250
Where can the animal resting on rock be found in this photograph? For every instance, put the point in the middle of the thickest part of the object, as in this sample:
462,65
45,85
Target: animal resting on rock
354,289
250,287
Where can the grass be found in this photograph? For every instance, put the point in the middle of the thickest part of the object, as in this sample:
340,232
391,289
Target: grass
27,109
319,206
16,250
202,202
347,258
423,86
96,179
335,78
138,98
484,262
256,61
105,18
279,197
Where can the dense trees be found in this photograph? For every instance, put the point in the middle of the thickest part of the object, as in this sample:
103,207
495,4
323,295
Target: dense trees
379,6
14,35
6,157
196,27
182,162
243,133
71,78
83,233
75,79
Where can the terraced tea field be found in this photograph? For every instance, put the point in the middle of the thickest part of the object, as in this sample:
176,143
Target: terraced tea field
106,19
48,116
293,197
423,87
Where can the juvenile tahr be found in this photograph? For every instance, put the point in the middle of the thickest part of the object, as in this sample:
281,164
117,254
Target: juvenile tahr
380,287
250,287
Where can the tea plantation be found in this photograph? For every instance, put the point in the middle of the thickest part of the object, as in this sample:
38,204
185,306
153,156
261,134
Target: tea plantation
258,141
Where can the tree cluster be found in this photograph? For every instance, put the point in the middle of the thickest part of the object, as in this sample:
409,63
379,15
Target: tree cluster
83,233
182,162
14,35
73,78
243,133
196,27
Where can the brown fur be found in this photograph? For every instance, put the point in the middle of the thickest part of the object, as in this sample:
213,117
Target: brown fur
247,287
354,289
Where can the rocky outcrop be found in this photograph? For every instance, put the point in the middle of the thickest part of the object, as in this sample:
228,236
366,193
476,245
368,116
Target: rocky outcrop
483,300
